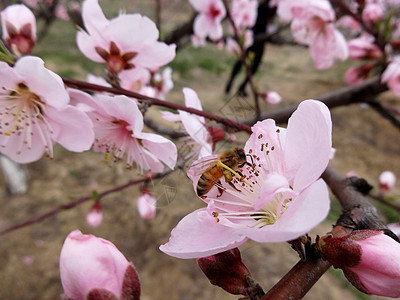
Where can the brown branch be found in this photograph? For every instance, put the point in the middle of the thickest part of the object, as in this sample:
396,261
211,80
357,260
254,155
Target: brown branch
79,201
345,96
154,101
164,130
384,112
244,59
382,200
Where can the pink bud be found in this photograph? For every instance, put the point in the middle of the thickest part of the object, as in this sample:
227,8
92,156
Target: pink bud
370,260
372,12
272,97
387,180
146,204
19,28
226,270
93,268
95,215
357,75
363,48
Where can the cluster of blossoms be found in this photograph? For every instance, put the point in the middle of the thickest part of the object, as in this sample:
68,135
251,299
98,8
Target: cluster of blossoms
37,111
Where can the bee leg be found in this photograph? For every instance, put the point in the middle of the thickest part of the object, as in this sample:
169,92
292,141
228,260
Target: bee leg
232,185
220,188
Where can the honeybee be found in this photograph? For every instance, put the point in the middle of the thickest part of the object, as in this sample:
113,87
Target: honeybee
226,164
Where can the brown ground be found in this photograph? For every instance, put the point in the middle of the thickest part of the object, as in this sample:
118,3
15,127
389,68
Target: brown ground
365,143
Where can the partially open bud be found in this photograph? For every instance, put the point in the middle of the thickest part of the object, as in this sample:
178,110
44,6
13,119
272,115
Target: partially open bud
370,260
226,270
95,215
271,97
357,75
19,29
372,12
387,180
93,268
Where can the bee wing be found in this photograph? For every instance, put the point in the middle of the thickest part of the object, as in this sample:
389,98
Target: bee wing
202,165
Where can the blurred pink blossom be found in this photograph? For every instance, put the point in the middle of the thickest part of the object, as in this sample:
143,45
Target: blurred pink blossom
62,12
35,113
247,41
112,41
244,13
93,268
272,97
372,12
391,76
208,21
19,28
280,198
197,41
387,180
313,25
118,125
146,204
352,26
95,215
369,259
363,48
27,259
357,75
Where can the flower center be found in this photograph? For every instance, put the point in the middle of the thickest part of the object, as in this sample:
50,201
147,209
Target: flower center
214,11
22,115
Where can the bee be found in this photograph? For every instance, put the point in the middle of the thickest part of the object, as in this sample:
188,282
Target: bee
224,165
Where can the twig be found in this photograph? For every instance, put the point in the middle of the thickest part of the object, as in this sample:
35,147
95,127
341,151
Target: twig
79,201
244,59
154,101
384,112
345,96
382,200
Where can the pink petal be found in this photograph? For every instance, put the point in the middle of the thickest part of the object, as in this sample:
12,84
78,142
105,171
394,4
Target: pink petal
162,148
169,116
87,46
198,235
72,128
200,5
273,184
93,16
192,100
308,143
155,55
305,212
43,82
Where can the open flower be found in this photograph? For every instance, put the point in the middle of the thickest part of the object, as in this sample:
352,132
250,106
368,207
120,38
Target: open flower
244,13
208,21
35,113
369,259
112,41
93,268
313,25
118,126
279,198
19,28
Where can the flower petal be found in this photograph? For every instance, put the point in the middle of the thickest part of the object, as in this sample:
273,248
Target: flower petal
198,235
308,143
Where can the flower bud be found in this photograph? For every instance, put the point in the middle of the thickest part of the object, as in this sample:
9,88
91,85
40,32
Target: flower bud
226,270
19,29
95,215
146,204
93,268
387,180
372,12
357,75
370,260
272,97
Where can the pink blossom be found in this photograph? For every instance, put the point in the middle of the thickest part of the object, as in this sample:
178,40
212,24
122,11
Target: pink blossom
391,76
35,113
369,259
19,28
197,41
118,125
363,48
93,267
135,79
146,205
162,83
247,41
357,75
125,42
372,12
95,215
62,12
244,13
193,124
313,25
208,21
272,97
347,22
280,198
387,180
